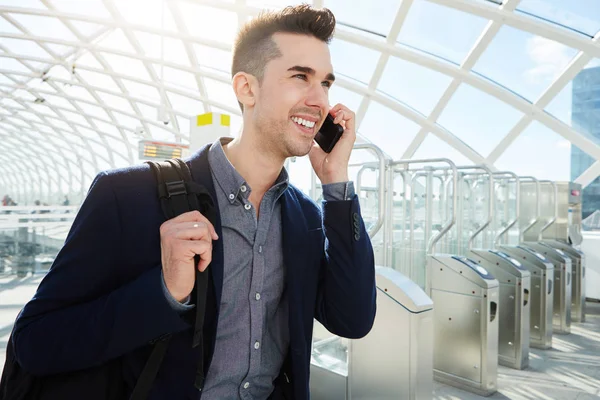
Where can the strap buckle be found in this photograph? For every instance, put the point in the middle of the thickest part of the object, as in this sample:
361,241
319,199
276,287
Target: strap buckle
175,188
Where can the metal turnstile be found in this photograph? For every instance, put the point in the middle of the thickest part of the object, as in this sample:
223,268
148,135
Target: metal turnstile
561,320
394,361
466,299
513,324
541,297
578,278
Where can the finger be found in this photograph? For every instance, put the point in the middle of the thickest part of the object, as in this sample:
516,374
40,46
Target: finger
339,117
203,249
197,231
195,216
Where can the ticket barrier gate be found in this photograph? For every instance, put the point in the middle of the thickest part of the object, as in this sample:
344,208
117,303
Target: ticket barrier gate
394,361
578,278
561,320
466,299
514,315
541,297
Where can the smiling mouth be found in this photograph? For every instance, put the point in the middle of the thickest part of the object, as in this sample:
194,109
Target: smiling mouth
304,125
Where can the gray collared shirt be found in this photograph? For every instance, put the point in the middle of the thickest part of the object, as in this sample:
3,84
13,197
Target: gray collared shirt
252,331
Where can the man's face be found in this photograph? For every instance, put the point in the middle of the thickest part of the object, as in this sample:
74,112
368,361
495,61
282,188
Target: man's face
293,99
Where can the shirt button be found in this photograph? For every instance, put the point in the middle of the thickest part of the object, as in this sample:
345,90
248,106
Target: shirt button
247,206
231,196
246,385
243,188
260,249
256,345
257,296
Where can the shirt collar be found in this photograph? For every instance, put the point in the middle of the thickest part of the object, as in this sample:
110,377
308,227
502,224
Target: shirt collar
230,181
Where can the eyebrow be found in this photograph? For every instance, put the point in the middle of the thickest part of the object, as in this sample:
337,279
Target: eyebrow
310,71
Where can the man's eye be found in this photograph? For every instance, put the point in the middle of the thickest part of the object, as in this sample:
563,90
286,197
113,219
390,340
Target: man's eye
327,84
301,76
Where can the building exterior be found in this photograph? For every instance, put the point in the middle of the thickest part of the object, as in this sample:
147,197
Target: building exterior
585,118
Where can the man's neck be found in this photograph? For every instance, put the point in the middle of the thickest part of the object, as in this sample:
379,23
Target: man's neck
258,168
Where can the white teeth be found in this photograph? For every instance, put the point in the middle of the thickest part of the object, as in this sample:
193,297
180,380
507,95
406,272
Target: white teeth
308,124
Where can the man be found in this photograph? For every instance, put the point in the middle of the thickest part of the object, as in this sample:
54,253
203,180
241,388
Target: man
125,275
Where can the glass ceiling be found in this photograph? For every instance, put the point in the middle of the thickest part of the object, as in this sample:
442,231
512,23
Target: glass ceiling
478,81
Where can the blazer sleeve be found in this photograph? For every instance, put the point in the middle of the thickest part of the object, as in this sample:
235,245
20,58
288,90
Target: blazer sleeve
346,294
90,307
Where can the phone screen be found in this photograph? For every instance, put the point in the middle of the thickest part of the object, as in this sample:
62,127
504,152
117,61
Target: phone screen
329,134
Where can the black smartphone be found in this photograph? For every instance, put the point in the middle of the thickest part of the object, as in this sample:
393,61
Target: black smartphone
329,134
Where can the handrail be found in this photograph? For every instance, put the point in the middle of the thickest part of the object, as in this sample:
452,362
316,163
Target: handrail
490,218
553,220
537,207
381,197
434,240
518,205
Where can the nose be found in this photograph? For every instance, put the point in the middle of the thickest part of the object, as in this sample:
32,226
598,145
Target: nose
318,97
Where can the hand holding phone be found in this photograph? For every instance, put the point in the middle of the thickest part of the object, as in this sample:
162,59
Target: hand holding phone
329,134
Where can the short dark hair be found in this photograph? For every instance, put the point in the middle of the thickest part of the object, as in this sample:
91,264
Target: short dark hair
254,46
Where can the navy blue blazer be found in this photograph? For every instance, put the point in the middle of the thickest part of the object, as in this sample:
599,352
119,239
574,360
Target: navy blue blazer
102,298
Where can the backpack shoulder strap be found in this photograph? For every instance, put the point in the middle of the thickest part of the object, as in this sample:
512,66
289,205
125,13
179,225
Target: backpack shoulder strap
178,194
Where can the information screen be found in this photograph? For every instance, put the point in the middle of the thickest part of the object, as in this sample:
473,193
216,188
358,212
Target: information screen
153,150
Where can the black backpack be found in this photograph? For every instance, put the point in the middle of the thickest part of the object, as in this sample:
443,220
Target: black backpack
178,194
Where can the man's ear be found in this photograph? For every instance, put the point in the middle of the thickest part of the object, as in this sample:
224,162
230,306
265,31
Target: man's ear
245,87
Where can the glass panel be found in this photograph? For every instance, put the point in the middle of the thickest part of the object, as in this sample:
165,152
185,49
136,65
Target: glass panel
59,102
24,4
173,49
126,120
550,160
108,129
93,8
44,26
581,15
581,161
161,134
478,119
522,62
7,27
60,124
220,92
152,13
387,129
349,98
37,66
98,80
60,49
75,117
11,64
213,57
116,102
412,84
10,103
365,15
117,40
185,105
344,56
80,93
434,147
89,60
432,28
86,28
24,47
127,66
23,94
141,91
178,78
148,112
578,104
94,111
209,22
87,133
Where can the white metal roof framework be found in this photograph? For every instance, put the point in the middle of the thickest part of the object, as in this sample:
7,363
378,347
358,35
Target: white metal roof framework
77,95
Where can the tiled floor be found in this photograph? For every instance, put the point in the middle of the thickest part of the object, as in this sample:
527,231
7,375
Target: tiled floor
569,371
